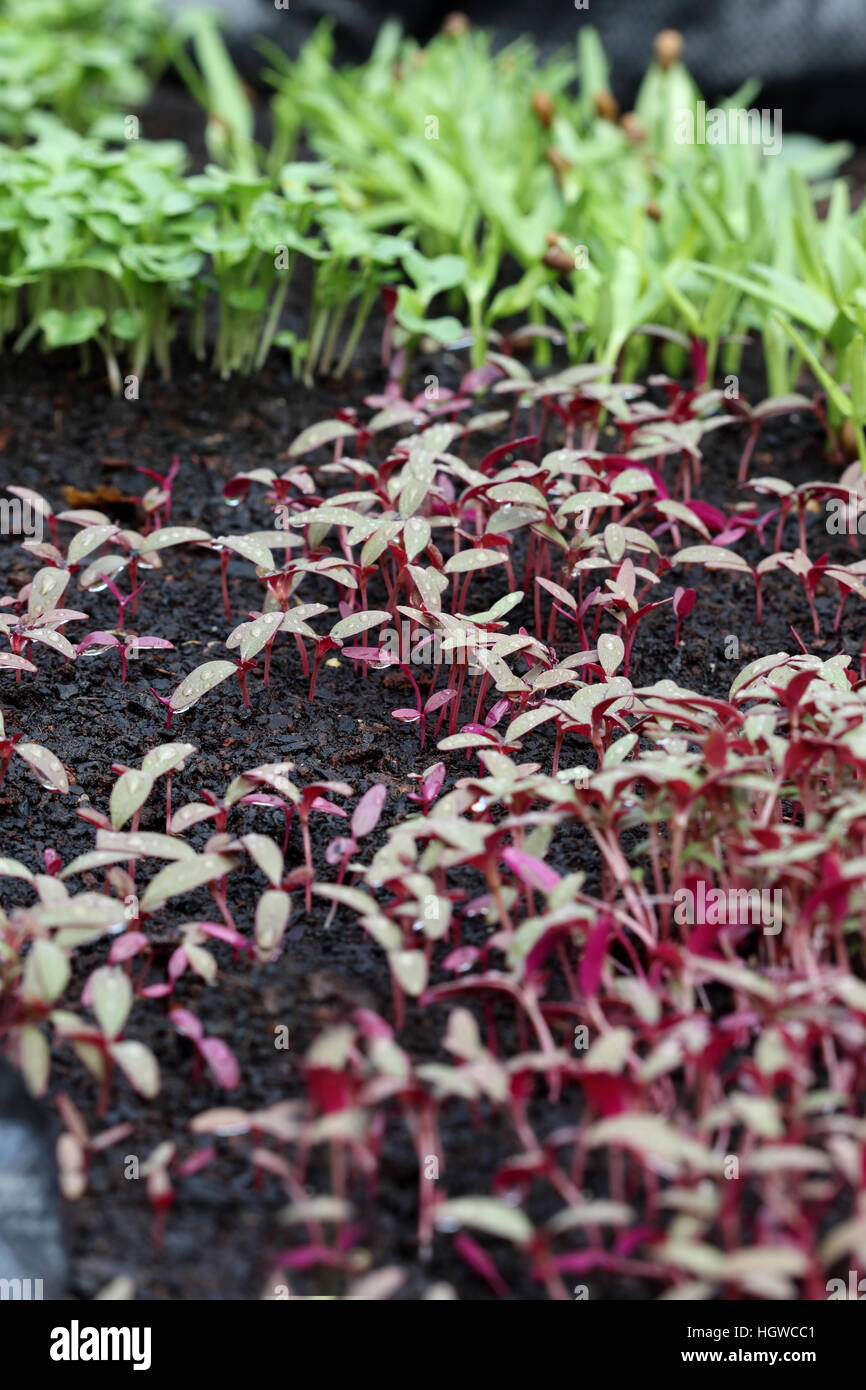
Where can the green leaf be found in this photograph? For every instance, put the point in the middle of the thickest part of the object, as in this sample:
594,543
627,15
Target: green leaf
68,329
487,1214
128,795
266,854
272,915
111,998
359,622
199,682
139,1066
46,973
184,876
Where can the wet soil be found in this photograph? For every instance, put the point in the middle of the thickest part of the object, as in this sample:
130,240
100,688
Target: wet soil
59,430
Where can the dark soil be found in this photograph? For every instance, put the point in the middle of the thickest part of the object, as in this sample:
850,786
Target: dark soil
56,430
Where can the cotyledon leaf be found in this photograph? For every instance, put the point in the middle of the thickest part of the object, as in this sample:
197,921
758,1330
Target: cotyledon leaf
251,637
359,622
199,682
167,757
48,768
172,535
128,795
183,876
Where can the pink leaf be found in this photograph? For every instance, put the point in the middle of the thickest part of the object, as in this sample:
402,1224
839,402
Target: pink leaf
433,783
531,871
98,639
10,662
625,576
222,1063
127,946
365,816
496,713
221,932
196,1162
340,849
462,959
138,643
322,804
52,861
369,654
177,963
187,1024
437,700
371,1024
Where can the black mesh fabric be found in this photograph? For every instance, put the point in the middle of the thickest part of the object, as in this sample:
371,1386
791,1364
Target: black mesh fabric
31,1245
811,57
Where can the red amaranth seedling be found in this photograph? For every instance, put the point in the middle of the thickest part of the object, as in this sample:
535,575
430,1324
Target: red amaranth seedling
809,574
46,768
219,1057
248,549
365,818
313,800
99,642
41,628
122,600
431,784
43,619
157,500
108,992
438,700
684,602
203,679
250,638
75,1146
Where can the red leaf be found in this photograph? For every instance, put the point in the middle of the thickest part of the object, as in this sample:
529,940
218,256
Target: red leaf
594,955
684,601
